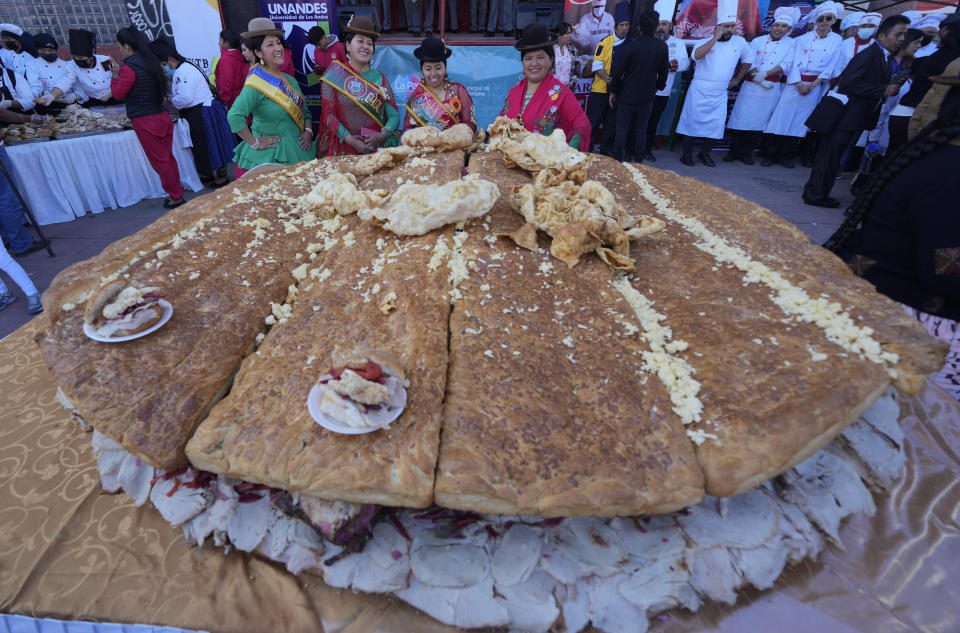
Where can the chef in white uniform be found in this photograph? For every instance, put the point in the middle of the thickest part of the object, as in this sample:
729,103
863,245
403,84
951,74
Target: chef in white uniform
93,80
593,27
705,107
850,24
816,56
862,39
56,76
773,55
14,56
15,91
930,25
679,62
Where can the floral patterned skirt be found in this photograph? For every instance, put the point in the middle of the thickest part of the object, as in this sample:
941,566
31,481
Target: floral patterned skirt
947,330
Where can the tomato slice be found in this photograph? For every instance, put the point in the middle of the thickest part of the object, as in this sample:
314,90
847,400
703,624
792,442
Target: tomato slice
370,371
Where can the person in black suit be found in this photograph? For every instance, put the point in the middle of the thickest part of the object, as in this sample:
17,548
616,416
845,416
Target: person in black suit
902,233
864,82
924,68
637,74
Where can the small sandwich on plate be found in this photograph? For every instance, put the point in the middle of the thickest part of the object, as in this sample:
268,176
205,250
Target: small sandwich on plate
363,389
119,309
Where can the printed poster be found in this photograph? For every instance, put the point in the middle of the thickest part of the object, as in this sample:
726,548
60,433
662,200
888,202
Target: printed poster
488,72
296,19
590,23
194,26
696,19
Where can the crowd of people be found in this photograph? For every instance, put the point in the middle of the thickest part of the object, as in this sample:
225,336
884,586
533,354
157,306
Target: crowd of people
792,90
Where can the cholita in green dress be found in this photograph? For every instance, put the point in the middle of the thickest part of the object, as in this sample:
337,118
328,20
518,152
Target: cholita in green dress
278,109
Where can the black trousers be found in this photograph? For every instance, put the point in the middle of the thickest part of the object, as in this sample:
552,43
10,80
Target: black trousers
198,138
807,148
600,114
659,105
743,142
898,127
706,144
632,120
779,147
826,163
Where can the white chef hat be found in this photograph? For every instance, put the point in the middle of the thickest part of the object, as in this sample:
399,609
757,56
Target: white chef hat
11,28
831,7
873,19
787,15
852,19
726,11
665,8
913,16
599,4
932,20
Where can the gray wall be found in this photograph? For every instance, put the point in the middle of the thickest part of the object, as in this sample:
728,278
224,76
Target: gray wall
103,17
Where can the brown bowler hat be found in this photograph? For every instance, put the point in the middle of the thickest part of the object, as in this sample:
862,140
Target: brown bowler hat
362,25
261,26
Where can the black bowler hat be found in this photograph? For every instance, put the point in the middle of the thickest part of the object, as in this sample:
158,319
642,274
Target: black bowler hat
432,49
534,36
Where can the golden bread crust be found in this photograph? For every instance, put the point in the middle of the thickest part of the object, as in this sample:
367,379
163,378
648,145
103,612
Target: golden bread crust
546,411
148,394
555,396
266,412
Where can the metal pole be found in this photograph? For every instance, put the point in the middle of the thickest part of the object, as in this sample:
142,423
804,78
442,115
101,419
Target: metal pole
443,17
26,207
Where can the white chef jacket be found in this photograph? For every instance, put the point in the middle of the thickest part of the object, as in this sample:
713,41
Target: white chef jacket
814,56
754,102
705,107
589,30
848,49
56,74
22,63
676,50
190,87
19,88
93,83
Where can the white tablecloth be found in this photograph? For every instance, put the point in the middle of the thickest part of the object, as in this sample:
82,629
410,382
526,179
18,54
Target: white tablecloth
22,624
66,179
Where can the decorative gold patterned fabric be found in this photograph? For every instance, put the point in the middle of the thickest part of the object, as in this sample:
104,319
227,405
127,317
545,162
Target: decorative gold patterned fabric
69,551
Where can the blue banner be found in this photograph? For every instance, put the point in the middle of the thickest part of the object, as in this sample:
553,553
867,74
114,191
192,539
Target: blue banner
488,72
296,19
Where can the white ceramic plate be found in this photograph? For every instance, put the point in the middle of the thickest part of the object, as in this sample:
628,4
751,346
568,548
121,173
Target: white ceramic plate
315,397
165,306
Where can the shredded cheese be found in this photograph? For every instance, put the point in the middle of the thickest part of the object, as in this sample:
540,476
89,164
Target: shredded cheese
675,373
836,323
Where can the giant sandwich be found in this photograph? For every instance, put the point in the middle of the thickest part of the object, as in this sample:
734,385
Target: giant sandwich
540,394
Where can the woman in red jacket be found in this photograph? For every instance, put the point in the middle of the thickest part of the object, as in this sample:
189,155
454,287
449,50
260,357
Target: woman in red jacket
232,68
141,85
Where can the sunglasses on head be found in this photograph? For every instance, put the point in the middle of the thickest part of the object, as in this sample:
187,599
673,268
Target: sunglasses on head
826,18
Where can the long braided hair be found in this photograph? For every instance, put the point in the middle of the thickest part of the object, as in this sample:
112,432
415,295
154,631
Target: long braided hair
938,133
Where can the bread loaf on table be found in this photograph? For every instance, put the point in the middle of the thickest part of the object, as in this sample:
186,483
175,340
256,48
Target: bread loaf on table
347,305
547,411
736,349
221,278
774,389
